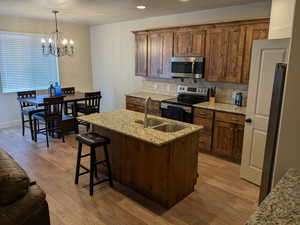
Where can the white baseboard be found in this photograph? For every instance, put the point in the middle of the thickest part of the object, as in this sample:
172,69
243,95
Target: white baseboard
9,124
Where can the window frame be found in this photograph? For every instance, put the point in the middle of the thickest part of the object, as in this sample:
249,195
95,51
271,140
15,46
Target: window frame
41,35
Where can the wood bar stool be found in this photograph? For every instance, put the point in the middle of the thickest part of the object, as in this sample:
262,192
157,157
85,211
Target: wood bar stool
93,140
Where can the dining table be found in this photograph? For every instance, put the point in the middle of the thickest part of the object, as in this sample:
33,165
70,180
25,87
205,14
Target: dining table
38,101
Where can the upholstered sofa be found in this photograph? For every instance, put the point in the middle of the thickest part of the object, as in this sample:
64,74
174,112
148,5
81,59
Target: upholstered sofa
22,202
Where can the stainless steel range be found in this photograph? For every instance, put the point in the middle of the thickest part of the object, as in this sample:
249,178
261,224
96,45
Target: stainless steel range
181,107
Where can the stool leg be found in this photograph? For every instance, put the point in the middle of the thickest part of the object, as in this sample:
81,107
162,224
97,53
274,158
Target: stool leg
78,162
92,168
47,133
23,124
96,170
31,126
35,130
108,165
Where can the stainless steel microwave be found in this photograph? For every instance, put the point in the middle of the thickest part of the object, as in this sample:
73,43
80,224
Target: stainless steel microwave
187,67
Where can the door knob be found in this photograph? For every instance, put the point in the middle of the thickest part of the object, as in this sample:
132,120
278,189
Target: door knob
248,120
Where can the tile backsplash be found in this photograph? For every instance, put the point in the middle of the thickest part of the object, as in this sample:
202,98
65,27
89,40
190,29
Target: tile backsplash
225,91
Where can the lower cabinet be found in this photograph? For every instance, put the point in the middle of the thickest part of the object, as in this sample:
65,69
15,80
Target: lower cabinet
204,117
138,105
228,135
222,134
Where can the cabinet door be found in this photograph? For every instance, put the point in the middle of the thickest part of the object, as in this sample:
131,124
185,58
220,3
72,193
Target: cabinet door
235,54
141,40
198,43
224,134
154,54
253,32
135,104
216,49
167,53
182,43
238,143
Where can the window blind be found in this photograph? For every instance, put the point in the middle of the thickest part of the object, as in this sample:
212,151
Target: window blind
22,64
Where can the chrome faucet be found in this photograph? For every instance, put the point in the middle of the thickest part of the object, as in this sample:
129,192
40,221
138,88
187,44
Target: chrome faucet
146,122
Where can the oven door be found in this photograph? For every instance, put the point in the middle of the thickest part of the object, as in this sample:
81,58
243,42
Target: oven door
177,112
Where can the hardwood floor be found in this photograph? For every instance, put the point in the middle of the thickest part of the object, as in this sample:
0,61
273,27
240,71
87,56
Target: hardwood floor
220,198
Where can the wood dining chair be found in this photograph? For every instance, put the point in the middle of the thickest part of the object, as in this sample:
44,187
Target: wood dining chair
90,105
68,91
27,110
51,117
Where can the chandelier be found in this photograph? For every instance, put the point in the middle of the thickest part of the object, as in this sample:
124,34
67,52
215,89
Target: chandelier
56,44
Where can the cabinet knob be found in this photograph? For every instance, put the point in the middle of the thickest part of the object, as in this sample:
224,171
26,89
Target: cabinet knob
249,120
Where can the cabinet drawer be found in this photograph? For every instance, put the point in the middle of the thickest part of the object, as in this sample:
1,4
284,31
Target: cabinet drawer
134,100
205,143
203,113
230,118
206,123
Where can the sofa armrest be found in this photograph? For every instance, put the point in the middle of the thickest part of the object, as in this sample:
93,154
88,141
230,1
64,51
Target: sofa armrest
26,208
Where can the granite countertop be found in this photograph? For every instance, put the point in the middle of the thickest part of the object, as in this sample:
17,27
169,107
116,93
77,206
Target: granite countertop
222,107
123,121
155,97
282,205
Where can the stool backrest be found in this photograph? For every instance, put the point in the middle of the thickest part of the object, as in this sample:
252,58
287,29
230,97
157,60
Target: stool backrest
68,91
26,94
92,101
53,107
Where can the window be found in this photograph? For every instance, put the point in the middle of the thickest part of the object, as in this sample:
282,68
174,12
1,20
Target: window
22,64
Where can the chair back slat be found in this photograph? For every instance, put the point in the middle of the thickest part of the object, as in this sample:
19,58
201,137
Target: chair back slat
68,91
53,107
26,94
92,102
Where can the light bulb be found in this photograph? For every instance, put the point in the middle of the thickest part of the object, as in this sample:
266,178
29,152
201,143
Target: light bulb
64,42
71,42
141,7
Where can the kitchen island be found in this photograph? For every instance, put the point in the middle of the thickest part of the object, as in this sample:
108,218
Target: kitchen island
159,162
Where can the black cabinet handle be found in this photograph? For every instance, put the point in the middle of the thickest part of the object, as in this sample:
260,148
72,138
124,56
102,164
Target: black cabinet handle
248,120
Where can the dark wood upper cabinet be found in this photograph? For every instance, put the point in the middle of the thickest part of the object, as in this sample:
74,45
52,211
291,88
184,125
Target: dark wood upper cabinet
167,53
216,51
160,52
189,42
235,53
182,43
141,44
154,54
226,47
258,31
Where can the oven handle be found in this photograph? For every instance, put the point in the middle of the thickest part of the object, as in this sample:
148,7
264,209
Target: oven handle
185,108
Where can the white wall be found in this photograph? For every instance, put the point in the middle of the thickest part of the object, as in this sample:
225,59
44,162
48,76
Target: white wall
282,15
288,151
113,47
75,71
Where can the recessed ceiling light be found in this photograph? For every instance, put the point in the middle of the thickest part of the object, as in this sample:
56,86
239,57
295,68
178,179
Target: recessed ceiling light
184,0
141,7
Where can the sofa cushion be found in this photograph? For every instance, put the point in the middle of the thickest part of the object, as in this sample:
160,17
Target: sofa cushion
32,207
14,181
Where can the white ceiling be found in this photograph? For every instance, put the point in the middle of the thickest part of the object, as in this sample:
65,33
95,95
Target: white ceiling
107,11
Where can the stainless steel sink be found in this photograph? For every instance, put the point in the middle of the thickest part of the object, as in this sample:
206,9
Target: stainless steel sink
152,122
169,128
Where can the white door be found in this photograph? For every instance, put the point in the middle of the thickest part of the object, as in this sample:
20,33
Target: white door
265,55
